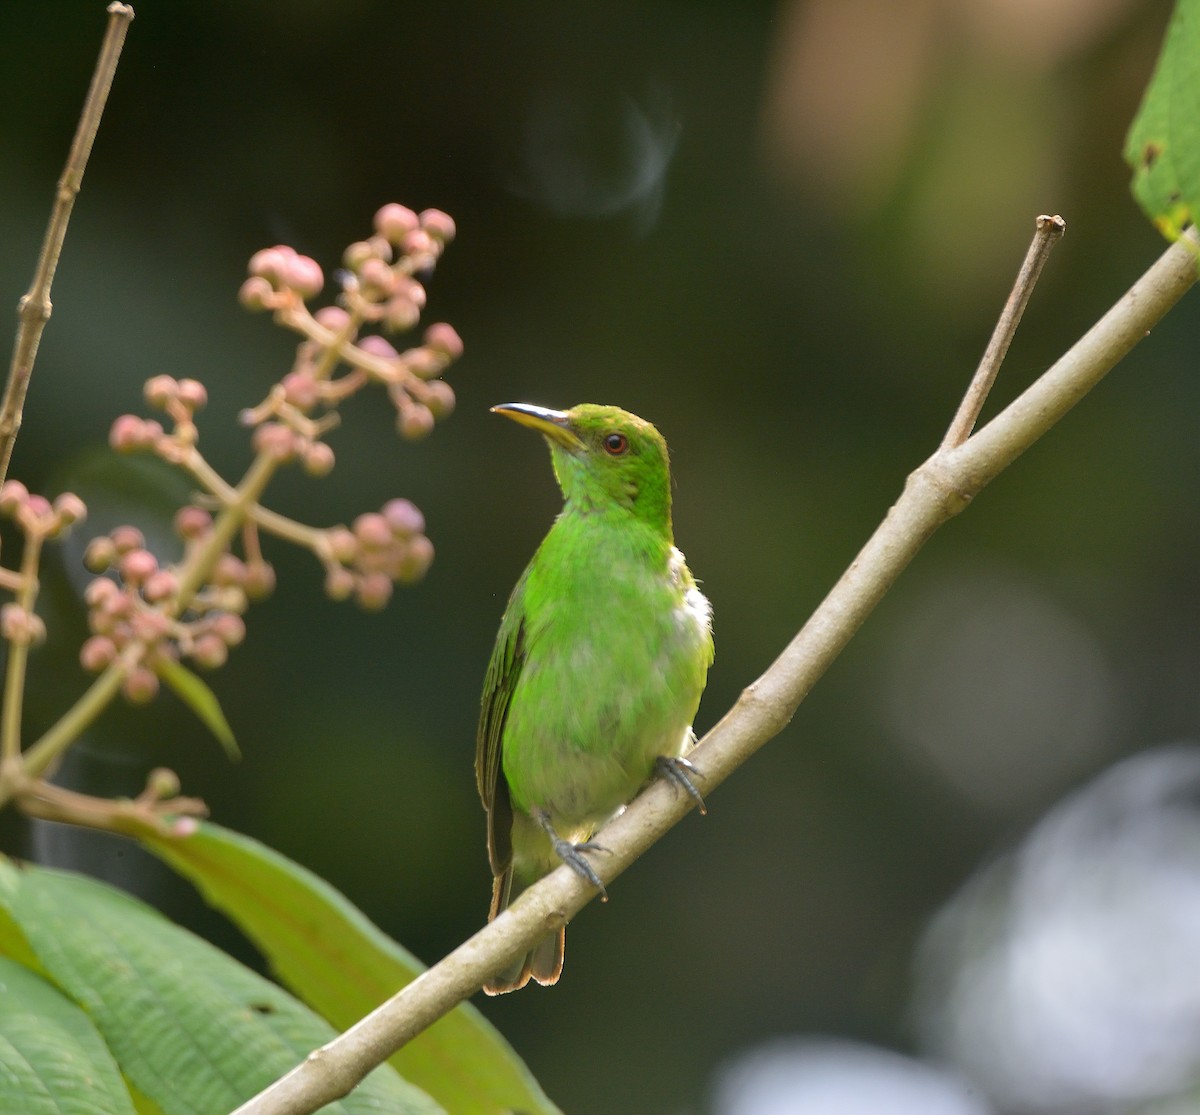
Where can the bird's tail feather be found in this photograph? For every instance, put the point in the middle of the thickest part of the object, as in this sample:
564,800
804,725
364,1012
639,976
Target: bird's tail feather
543,963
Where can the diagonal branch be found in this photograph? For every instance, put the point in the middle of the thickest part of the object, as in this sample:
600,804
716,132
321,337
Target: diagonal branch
938,490
33,311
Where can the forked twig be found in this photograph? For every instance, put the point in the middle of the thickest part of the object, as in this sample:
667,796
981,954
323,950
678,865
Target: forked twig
1048,233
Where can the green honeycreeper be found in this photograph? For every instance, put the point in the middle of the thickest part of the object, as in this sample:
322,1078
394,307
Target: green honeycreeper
598,667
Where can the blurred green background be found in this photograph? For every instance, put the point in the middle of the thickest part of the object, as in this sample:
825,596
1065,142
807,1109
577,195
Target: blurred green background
780,231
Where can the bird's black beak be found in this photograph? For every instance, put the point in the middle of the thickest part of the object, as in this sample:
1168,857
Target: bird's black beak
554,424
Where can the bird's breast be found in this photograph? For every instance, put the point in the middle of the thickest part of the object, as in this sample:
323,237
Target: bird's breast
617,650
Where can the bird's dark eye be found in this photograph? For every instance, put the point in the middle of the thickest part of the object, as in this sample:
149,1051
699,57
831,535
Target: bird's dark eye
615,444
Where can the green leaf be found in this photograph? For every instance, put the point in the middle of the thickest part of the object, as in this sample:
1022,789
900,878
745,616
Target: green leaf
201,700
192,1030
1163,145
325,950
52,1059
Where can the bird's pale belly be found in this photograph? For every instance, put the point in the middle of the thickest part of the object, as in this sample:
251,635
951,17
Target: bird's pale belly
580,751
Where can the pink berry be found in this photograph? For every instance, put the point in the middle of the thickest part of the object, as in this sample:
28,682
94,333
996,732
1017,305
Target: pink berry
97,652
339,583
318,459
332,317
192,393
374,591
230,629
140,686
378,346
160,585
128,433
12,495
259,581
269,263
275,441
126,538
304,276
444,337
404,517
343,545
439,398
209,652
395,221
100,589
149,625
372,530
400,313
415,422
417,559
357,254
70,508
192,522
438,224
160,390
229,570
419,243
136,565
257,293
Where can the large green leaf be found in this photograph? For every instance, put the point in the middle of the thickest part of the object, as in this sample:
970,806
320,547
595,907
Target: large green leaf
194,1031
337,961
1163,145
53,1061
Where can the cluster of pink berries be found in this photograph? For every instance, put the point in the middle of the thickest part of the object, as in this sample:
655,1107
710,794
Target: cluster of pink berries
139,604
380,548
36,515
179,399
379,287
38,519
143,614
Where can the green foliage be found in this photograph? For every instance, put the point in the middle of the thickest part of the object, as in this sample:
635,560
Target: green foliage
196,694
52,1059
327,952
1163,145
117,986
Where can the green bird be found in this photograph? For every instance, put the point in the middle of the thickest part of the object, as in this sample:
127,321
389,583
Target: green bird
598,667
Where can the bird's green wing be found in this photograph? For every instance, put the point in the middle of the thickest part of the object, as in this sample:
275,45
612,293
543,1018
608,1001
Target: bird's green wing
508,655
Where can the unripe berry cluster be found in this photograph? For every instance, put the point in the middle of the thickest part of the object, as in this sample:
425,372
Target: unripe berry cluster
381,547
38,519
138,603
37,516
179,400
380,287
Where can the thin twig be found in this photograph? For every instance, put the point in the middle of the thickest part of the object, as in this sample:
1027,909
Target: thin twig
33,311
939,489
1048,232
18,656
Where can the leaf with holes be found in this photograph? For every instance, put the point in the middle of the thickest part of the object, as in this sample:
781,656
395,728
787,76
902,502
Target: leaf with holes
1163,145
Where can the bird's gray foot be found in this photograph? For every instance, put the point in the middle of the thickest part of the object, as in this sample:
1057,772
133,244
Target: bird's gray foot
677,769
572,854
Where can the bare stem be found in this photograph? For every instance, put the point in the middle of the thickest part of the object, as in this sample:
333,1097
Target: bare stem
18,654
37,760
1048,232
33,311
939,489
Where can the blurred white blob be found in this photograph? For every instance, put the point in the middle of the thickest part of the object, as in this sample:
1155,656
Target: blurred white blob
1064,977
999,689
596,154
802,1076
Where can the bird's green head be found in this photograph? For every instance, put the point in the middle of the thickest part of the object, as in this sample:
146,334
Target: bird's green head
603,457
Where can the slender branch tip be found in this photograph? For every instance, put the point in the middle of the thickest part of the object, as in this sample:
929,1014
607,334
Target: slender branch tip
1048,230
